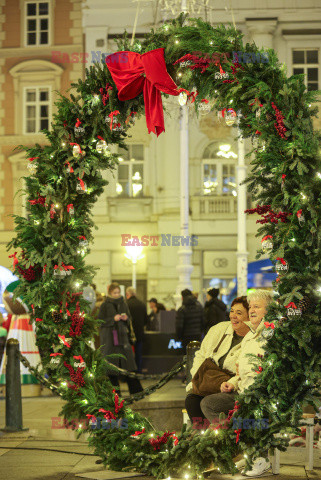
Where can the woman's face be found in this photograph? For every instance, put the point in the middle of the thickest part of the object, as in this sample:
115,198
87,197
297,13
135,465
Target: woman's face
257,310
239,315
115,293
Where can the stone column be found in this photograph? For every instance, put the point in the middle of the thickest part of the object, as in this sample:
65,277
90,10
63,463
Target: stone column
261,31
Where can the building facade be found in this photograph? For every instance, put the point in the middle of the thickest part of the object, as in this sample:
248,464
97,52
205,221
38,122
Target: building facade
143,195
37,40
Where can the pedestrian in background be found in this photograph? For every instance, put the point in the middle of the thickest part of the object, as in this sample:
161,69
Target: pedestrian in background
116,336
189,319
215,309
138,313
152,317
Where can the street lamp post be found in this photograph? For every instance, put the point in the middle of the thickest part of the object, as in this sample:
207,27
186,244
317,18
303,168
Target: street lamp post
134,253
242,253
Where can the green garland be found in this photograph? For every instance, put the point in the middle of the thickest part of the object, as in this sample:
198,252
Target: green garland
290,368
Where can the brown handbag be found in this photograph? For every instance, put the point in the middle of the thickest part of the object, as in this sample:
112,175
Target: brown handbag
209,377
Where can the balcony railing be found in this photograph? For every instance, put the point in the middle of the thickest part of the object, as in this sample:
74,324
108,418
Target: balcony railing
221,206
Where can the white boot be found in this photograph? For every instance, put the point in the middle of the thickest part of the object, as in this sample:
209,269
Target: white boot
260,466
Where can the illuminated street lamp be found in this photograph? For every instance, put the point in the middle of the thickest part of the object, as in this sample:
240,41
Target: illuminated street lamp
134,253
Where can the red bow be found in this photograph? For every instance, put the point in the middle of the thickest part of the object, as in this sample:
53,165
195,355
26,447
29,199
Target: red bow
145,73
291,305
101,138
237,435
138,433
111,115
55,354
71,170
266,237
70,206
39,320
82,184
79,357
283,176
129,116
15,260
78,123
80,151
31,159
259,370
267,324
281,260
82,237
63,266
63,339
299,213
91,416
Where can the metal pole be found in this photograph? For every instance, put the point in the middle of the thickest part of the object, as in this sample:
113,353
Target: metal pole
13,387
191,349
134,274
242,253
184,266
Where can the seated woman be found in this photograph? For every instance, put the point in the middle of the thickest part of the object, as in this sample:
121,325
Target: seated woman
252,344
225,338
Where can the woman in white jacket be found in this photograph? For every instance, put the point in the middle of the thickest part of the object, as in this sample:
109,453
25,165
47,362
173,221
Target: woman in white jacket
252,344
228,336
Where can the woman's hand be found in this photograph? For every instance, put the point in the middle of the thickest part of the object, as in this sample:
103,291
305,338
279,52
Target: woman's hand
227,387
117,318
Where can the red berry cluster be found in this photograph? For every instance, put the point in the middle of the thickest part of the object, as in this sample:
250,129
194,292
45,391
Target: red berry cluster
105,96
157,442
197,62
118,406
39,201
77,321
268,215
235,67
76,377
279,125
30,273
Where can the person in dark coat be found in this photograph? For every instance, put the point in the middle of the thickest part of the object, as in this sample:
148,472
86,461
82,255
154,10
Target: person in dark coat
189,319
116,336
215,309
156,307
138,313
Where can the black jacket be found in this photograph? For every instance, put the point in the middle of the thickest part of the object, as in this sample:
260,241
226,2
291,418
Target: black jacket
215,312
107,312
139,316
190,318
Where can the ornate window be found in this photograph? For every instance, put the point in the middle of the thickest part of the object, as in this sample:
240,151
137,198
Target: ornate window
37,23
218,169
130,175
307,61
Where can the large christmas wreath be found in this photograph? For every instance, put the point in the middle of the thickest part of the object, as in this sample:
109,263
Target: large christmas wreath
65,181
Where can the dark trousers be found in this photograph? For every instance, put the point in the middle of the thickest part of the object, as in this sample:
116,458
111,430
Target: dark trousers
139,355
134,385
193,406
